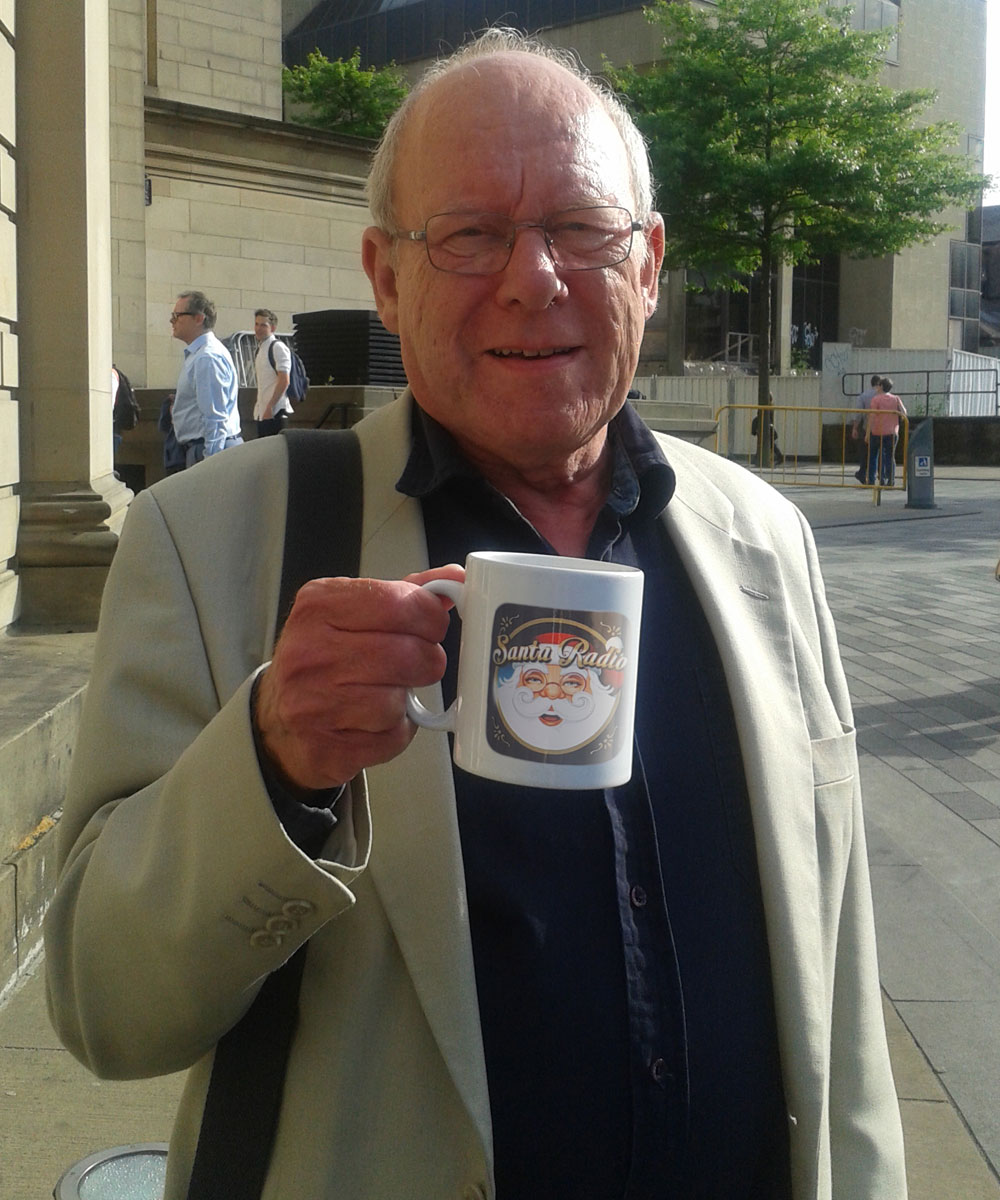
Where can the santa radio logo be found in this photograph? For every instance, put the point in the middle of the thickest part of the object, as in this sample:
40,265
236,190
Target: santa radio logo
555,682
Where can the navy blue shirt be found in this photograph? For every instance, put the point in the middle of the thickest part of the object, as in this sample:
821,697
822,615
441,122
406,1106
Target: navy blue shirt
620,952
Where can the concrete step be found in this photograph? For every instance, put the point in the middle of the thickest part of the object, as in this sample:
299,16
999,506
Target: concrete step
42,681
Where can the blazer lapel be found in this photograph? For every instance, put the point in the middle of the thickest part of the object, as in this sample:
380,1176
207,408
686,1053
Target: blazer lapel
746,603
416,863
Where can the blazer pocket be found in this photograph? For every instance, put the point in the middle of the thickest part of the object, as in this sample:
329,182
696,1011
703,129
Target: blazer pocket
834,763
834,759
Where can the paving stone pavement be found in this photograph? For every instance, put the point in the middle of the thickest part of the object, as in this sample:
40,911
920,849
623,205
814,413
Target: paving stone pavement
916,605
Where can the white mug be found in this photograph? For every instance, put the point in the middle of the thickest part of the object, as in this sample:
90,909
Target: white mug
546,671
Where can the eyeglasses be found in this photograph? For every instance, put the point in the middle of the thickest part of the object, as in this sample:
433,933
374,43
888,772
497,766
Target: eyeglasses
475,243
175,316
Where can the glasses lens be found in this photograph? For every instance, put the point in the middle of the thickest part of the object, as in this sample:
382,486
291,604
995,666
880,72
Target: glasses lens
469,243
582,239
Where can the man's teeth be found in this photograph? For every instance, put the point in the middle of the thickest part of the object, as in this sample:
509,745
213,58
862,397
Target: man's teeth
531,353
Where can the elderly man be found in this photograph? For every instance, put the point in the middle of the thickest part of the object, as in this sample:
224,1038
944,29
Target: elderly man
666,989
206,418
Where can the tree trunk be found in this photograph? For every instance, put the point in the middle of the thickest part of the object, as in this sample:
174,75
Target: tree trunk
764,323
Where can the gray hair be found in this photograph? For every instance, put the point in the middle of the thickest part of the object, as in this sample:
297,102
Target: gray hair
494,41
198,302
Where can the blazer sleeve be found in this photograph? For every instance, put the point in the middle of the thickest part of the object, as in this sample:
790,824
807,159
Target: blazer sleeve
178,890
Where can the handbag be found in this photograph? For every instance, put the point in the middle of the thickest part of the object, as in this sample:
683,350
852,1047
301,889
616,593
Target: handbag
248,1072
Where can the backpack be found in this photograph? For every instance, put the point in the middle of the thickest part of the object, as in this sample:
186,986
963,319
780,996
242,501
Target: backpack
126,410
298,380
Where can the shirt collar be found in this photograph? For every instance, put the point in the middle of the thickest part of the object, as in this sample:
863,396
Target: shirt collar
642,481
198,342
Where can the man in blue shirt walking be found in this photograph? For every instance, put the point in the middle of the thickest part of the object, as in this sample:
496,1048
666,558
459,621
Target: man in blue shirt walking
206,418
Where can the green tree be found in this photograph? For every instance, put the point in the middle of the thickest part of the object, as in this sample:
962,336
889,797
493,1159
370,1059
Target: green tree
344,96
773,142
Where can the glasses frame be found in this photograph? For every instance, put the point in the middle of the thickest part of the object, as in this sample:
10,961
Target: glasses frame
420,235
174,316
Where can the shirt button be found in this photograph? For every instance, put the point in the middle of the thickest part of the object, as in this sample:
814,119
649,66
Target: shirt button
279,924
658,1070
638,897
298,908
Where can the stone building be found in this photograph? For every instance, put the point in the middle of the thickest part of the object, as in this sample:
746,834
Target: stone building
113,199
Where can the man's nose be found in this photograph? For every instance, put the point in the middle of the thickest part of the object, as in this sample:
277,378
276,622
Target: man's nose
531,276
552,691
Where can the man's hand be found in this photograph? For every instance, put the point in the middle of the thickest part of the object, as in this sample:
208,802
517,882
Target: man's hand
333,700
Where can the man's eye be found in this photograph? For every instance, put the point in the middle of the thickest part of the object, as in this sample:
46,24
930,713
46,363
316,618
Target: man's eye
475,232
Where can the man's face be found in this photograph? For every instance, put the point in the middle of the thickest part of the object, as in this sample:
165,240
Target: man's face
527,366
262,328
186,325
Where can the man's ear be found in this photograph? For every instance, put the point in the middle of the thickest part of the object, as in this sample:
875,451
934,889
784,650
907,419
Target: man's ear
377,257
653,262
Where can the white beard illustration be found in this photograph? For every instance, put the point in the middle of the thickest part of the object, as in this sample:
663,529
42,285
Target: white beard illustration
556,724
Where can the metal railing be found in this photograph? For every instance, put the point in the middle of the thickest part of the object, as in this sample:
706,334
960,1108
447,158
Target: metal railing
808,450
243,346
933,386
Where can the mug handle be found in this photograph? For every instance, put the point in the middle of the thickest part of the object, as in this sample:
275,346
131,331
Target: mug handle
418,712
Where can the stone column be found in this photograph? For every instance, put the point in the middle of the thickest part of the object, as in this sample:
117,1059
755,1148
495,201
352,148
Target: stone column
72,506
9,467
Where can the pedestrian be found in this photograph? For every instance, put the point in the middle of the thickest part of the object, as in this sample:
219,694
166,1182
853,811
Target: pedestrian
883,432
859,426
762,428
273,365
205,414
665,988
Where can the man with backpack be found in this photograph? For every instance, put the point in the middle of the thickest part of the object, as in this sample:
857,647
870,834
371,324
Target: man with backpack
273,366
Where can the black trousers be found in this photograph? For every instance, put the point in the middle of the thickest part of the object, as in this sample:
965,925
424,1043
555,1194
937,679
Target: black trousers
272,425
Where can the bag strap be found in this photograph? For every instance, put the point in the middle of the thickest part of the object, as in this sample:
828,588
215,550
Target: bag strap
322,538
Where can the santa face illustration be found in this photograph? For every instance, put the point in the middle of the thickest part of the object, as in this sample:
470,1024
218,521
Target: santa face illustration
555,703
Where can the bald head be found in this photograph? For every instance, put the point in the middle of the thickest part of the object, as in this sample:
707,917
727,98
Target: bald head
505,59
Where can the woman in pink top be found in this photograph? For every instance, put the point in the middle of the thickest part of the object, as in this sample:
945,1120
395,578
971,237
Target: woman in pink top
883,431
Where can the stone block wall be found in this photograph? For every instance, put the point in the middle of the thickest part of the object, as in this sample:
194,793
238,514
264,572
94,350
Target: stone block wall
260,215
224,54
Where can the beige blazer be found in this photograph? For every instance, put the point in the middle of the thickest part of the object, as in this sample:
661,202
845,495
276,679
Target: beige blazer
179,891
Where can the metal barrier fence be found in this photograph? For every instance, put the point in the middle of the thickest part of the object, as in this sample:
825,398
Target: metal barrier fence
243,347
808,450
936,387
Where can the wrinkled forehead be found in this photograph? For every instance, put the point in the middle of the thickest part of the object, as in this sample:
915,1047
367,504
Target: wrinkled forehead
487,119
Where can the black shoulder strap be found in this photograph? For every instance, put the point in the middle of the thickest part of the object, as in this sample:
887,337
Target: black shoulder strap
322,537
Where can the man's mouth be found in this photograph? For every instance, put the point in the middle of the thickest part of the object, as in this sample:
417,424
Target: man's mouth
550,718
506,352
